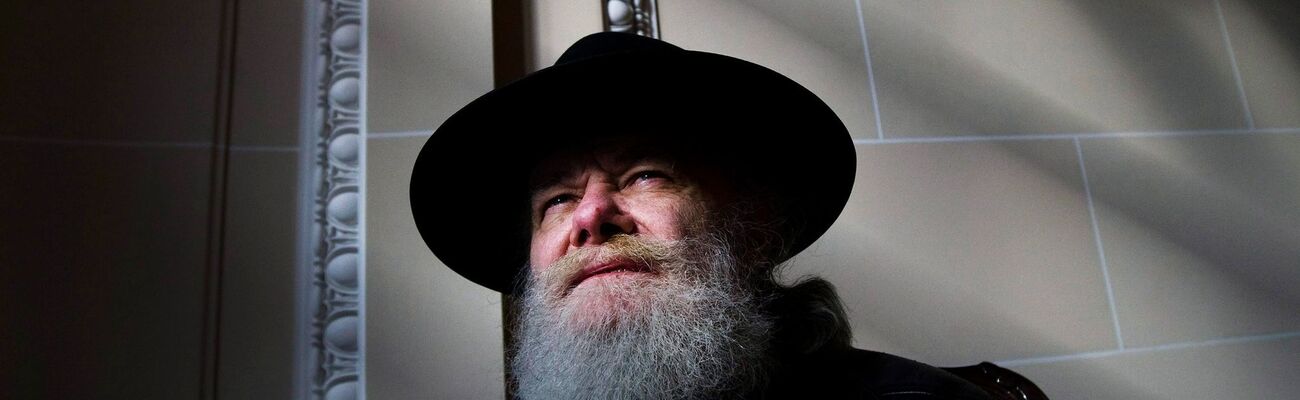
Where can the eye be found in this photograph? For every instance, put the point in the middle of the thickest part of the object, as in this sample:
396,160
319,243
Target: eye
555,201
646,176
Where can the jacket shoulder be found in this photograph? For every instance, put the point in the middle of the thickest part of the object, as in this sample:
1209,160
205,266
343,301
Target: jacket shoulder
861,374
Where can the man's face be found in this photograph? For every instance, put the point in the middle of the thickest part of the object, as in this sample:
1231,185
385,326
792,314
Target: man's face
585,198
635,290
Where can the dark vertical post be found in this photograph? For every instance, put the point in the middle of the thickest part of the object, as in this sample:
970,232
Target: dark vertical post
210,352
508,27
509,62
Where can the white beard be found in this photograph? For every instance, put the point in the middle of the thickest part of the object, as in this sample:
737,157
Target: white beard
693,331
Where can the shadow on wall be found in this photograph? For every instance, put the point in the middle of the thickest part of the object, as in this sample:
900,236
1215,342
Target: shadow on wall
1215,213
1277,18
1141,68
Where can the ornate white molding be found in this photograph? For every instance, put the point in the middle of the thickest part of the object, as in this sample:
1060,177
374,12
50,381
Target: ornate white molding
331,321
634,16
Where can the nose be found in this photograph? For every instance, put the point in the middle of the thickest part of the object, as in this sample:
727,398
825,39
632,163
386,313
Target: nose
599,217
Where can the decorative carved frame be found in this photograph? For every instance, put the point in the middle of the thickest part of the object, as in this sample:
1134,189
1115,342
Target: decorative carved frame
633,16
330,347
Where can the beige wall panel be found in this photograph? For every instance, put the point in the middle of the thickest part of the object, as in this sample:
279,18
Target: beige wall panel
136,70
949,253
1200,234
101,262
554,25
260,299
957,253
430,333
268,73
1266,40
426,60
818,44
1007,67
1251,370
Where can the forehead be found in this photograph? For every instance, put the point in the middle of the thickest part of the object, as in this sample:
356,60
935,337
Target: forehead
614,152
700,167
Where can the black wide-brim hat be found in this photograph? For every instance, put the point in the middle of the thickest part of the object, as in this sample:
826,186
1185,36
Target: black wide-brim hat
469,187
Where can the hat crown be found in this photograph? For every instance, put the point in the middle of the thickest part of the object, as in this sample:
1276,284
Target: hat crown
610,43
739,110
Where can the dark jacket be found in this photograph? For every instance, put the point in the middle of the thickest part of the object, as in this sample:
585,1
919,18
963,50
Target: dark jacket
848,373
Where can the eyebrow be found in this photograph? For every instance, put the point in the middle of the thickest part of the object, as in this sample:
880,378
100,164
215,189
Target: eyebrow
624,157
536,189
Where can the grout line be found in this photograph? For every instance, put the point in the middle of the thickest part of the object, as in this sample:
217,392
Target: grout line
363,122
959,139
363,201
871,76
1275,131
253,148
985,138
931,139
1236,72
111,143
396,135
1101,249
1072,136
1148,349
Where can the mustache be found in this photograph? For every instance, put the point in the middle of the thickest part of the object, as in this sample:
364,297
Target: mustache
653,255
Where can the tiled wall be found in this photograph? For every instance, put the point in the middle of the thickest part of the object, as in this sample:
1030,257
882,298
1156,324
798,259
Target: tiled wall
106,161
1100,194
430,334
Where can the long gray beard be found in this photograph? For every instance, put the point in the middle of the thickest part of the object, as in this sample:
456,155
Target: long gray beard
697,332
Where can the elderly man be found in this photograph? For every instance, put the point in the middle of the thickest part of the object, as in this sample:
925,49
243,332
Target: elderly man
636,199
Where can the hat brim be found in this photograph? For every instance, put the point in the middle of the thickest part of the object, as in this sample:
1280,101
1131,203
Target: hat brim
469,187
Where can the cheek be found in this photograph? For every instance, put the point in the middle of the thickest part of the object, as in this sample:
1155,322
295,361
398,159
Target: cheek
664,225
545,249
664,220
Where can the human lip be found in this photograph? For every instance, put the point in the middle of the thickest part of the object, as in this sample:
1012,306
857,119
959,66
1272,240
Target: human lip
618,265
